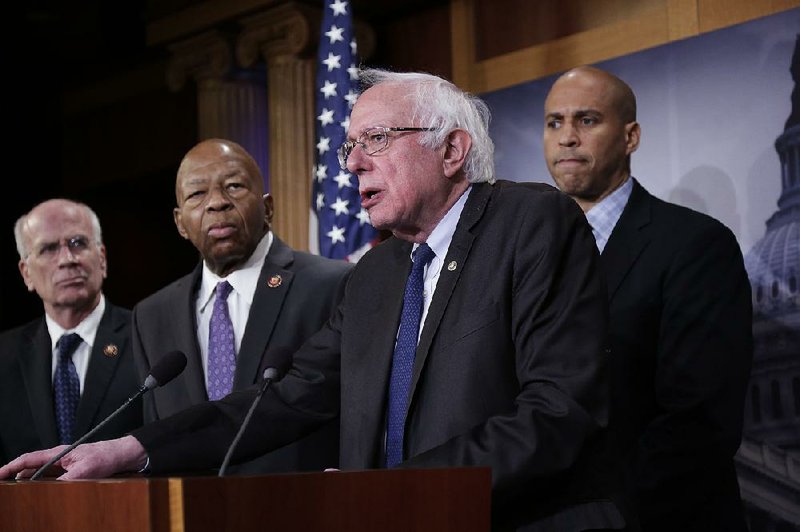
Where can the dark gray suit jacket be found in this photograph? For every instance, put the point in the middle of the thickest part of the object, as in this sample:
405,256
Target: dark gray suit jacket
281,319
27,416
681,339
509,371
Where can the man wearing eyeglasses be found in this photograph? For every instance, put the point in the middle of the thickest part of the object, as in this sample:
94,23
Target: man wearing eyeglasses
472,337
62,374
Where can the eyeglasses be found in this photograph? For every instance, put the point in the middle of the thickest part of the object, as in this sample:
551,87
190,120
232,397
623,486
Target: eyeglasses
76,245
372,141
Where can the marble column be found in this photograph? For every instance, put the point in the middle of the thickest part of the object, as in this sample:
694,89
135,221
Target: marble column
231,102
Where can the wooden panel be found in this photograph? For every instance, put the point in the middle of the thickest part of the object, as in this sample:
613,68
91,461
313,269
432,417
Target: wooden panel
509,25
716,14
599,35
435,500
649,28
120,505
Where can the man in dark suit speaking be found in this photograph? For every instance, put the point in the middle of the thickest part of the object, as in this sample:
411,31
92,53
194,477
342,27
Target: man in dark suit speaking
680,313
472,337
63,373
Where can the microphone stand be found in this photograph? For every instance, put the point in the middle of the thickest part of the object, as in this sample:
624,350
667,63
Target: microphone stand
229,454
59,456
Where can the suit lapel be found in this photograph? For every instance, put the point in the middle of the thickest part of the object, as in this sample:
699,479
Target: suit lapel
264,312
37,371
101,369
185,312
457,253
628,239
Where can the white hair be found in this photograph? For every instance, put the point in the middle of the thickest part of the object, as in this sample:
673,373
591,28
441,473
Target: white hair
441,105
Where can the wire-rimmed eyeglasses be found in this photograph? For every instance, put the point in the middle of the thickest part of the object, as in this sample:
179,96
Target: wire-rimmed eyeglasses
50,250
372,141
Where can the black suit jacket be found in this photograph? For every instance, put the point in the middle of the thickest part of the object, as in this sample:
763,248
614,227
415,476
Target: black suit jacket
509,371
27,415
281,318
681,339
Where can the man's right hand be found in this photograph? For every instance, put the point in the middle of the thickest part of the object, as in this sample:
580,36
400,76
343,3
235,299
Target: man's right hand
90,460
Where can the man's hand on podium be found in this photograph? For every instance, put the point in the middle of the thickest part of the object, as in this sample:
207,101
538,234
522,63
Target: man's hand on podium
90,460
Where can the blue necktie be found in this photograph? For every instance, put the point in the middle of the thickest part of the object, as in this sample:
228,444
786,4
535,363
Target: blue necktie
404,352
66,387
221,346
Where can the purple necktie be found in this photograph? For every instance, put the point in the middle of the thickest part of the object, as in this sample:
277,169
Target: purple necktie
66,387
404,351
221,346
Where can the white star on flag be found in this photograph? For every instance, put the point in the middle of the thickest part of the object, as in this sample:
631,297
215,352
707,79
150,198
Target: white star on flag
336,234
340,206
363,216
343,179
328,89
351,97
322,172
339,7
320,200
335,34
326,117
332,62
323,145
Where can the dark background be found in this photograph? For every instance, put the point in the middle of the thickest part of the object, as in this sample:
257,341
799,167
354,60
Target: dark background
89,117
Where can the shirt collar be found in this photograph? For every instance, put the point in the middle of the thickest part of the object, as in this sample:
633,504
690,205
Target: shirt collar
244,280
603,217
440,238
87,329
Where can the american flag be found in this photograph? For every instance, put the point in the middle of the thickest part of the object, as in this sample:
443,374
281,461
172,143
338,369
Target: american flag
344,231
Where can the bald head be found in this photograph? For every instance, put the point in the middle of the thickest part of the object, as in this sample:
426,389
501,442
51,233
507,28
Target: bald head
212,151
619,94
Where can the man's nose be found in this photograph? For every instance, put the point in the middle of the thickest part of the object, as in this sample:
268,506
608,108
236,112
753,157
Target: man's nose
356,159
65,253
568,137
218,199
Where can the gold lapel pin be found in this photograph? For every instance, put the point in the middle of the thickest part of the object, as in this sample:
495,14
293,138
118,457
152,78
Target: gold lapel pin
452,266
111,350
275,281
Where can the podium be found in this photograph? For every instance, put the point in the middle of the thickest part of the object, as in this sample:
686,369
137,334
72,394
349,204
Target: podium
438,500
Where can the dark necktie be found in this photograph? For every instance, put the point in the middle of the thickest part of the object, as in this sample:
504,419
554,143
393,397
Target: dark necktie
67,387
403,359
221,346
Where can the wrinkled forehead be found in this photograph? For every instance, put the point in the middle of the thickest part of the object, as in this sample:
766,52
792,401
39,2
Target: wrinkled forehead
387,104
52,224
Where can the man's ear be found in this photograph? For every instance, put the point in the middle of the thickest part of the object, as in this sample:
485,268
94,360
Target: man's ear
176,214
632,134
269,209
26,278
456,148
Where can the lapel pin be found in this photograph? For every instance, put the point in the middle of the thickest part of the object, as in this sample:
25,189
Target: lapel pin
111,350
275,281
452,266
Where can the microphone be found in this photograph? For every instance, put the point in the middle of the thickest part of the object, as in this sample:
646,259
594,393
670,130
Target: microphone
271,375
163,372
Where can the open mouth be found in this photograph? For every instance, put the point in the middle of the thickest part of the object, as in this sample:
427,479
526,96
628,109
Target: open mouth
369,197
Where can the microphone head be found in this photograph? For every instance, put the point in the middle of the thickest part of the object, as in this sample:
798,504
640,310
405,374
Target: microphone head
271,374
166,369
276,363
